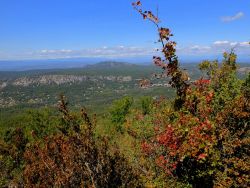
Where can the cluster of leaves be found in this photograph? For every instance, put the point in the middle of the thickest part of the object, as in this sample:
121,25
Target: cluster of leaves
204,140
170,63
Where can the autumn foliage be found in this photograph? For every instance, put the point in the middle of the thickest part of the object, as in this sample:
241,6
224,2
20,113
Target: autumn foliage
204,139
198,139
75,158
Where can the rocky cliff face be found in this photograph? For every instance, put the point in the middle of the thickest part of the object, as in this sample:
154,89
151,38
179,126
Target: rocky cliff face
48,80
244,70
22,90
62,79
3,85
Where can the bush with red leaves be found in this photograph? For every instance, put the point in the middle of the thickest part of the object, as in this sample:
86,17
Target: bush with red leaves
205,142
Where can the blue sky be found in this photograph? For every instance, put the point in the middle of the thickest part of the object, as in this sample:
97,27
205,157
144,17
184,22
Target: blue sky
47,29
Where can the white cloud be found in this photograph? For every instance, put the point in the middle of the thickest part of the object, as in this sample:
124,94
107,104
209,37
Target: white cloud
106,52
63,51
245,44
232,18
233,43
216,48
197,47
229,44
219,42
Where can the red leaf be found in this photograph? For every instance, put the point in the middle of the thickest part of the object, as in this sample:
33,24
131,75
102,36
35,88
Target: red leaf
138,3
202,156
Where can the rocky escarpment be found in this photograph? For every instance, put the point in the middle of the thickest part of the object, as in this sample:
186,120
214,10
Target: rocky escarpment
62,79
3,85
17,91
244,70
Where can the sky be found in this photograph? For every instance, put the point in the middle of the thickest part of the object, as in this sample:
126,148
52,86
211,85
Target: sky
51,29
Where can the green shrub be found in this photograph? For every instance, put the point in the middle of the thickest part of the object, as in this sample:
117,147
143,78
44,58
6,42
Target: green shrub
146,104
119,110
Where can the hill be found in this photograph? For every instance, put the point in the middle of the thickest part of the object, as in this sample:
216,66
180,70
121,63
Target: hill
92,86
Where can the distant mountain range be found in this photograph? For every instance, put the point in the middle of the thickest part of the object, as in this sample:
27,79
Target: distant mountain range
25,65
